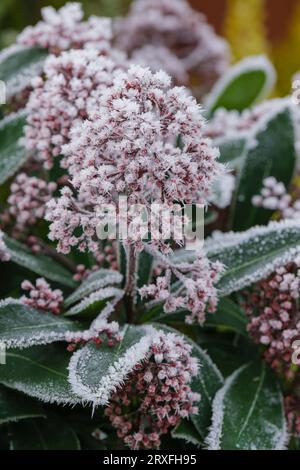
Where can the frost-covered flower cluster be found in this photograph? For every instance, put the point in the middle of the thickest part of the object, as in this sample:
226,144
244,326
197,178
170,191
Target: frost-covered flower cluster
4,254
174,26
272,307
275,197
129,146
42,297
28,198
156,394
196,291
72,82
65,29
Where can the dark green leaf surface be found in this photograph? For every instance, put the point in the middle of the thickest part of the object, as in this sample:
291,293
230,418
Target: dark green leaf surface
15,406
40,372
38,263
21,326
43,434
12,154
248,412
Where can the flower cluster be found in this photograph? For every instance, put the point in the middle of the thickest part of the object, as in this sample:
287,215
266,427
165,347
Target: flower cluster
65,29
173,26
129,145
42,297
272,306
156,394
105,332
196,291
27,200
274,196
73,80
4,255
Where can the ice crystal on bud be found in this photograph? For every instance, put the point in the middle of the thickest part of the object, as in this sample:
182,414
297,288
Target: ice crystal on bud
4,254
42,297
72,80
156,394
65,29
178,36
272,307
27,200
129,145
196,291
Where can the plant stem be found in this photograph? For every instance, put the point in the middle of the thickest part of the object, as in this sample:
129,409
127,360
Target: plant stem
130,283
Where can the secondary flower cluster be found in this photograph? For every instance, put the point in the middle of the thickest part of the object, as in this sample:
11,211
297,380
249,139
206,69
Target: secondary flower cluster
28,198
129,145
196,291
65,29
42,297
73,80
181,40
156,394
272,306
274,196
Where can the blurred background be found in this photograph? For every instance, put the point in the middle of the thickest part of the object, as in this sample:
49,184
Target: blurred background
251,26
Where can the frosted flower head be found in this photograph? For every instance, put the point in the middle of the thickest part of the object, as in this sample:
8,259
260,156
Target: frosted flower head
65,29
42,297
272,307
56,104
156,394
4,254
175,26
129,145
27,199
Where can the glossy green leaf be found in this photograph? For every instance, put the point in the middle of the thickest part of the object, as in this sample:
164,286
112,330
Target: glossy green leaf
248,412
22,326
40,372
38,263
18,65
97,280
246,83
12,154
15,406
254,254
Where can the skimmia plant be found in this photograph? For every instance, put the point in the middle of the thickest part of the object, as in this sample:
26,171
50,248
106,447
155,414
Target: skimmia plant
146,341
